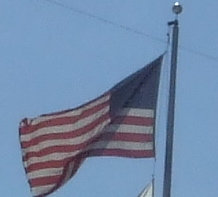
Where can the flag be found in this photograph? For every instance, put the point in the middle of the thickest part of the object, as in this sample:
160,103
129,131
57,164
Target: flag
148,191
118,123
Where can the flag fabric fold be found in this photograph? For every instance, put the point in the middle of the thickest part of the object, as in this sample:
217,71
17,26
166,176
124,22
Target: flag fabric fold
118,123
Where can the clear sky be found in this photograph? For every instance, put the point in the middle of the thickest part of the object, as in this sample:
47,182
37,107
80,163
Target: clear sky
53,58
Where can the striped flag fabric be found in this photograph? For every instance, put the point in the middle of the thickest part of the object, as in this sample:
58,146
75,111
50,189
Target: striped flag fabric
118,123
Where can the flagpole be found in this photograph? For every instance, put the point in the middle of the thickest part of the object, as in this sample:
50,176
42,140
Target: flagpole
177,9
152,186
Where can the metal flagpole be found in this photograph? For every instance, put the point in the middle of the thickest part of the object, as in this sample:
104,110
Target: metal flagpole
152,186
177,9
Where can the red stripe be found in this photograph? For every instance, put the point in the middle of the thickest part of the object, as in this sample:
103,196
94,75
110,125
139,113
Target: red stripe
66,135
128,137
105,136
63,120
55,164
45,181
47,164
60,149
121,153
133,120
77,164
96,152
81,106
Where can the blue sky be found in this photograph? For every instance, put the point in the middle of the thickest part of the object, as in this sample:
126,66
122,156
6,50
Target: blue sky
53,58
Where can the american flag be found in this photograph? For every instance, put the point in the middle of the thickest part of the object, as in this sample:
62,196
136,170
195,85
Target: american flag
118,123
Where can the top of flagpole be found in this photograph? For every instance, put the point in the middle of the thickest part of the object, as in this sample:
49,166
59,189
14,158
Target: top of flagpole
177,8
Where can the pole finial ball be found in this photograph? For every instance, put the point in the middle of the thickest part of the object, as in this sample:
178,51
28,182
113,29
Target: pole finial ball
177,8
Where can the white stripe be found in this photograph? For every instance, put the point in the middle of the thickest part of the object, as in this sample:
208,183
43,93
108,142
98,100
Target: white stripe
123,128
98,145
122,145
45,173
74,112
65,128
65,142
52,157
111,128
137,112
42,189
